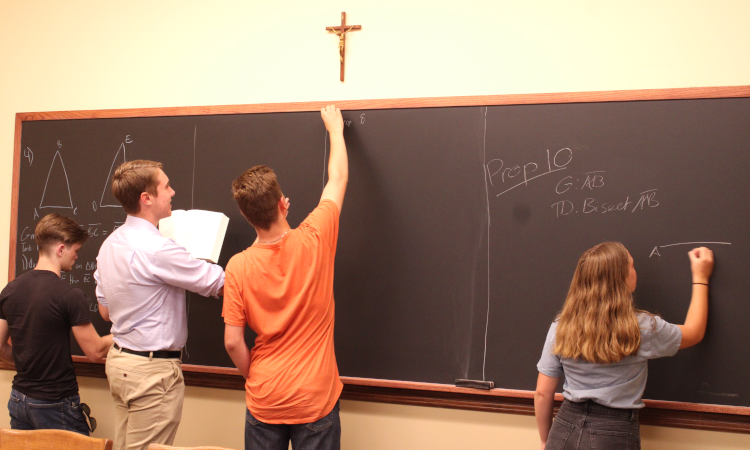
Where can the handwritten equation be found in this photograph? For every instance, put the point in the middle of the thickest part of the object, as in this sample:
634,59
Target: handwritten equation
498,173
589,205
509,177
59,194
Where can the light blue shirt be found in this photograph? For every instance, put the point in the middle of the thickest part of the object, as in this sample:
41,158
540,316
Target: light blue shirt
141,276
617,385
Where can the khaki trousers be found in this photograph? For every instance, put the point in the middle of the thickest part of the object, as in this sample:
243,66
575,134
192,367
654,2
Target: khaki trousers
148,396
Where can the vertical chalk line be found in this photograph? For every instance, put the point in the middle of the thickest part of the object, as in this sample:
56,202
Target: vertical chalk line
192,206
192,193
187,318
325,155
487,192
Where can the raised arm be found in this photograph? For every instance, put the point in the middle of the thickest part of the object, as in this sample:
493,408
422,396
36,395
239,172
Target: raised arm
701,265
338,163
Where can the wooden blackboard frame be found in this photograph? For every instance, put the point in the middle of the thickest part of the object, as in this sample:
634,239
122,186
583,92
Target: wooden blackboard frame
663,413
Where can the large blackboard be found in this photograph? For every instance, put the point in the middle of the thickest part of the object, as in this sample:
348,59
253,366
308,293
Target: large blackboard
461,225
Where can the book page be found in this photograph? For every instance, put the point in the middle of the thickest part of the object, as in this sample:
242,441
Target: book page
200,232
170,227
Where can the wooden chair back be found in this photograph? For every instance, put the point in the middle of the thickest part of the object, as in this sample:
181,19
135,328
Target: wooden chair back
167,447
47,439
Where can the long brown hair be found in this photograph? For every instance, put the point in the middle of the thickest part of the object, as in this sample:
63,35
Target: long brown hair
598,322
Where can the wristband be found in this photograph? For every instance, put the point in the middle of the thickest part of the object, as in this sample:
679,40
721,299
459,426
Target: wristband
704,284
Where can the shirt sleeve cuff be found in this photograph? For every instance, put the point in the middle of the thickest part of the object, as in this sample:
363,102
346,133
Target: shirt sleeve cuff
81,322
234,323
549,373
221,284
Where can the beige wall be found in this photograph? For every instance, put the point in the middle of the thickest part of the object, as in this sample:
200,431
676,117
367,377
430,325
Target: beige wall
216,417
99,55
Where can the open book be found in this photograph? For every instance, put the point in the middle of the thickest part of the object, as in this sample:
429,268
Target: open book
200,232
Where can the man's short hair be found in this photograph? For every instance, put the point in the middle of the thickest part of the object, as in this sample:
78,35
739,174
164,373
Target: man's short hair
132,179
54,229
257,193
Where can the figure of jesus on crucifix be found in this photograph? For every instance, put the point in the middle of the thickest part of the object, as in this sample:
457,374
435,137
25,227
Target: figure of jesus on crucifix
341,32
341,42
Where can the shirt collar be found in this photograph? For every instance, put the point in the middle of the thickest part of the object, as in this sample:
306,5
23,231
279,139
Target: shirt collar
141,224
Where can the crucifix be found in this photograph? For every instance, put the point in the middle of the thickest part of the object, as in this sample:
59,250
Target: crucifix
341,31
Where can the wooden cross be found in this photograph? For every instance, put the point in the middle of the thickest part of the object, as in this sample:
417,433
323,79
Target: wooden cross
341,33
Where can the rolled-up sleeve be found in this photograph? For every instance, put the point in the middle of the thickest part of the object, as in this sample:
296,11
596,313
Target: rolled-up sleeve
99,290
663,339
549,364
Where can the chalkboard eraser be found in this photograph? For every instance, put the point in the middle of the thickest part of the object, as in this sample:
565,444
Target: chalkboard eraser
476,384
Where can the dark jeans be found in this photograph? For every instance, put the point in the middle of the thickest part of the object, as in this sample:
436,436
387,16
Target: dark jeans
591,426
324,434
27,413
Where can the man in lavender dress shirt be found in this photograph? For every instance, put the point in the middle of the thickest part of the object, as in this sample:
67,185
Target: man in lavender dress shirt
141,280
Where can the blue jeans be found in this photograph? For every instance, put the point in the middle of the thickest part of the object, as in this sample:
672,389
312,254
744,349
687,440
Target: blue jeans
591,426
27,413
323,434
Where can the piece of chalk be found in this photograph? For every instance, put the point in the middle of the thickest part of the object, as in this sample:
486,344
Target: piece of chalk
476,384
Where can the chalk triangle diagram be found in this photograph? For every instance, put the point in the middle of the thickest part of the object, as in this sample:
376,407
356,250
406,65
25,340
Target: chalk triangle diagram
57,188
108,198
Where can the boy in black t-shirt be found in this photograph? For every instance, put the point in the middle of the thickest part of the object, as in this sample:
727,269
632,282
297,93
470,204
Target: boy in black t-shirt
38,311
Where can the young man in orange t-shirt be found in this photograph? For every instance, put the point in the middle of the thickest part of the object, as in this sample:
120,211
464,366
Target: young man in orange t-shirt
282,287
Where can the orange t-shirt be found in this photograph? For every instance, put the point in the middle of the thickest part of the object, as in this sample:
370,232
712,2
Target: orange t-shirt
284,292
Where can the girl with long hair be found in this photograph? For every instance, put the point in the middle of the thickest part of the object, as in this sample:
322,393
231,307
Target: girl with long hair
602,344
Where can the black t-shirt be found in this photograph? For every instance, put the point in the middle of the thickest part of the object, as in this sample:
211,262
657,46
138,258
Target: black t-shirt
40,309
